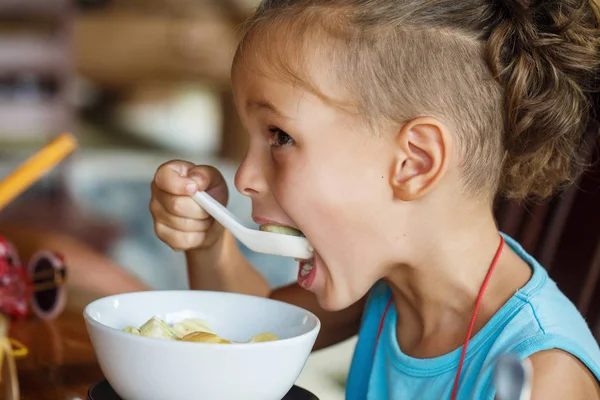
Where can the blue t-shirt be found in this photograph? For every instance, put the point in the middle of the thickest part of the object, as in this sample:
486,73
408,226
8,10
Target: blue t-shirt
538,317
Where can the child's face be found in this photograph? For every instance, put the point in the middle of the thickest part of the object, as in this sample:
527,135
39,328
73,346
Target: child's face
314,167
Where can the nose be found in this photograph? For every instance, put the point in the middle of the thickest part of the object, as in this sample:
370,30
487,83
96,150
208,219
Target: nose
250,179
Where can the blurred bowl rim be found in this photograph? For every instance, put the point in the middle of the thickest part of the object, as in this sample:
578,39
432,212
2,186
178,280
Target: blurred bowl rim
280,342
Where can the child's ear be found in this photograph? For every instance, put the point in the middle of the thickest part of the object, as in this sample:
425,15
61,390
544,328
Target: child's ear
423,149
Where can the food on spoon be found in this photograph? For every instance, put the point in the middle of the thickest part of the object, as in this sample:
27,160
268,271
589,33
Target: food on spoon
284,230
263,337
204,337
157,328
190,325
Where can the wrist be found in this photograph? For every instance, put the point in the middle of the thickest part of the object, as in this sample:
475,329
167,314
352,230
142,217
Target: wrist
220,260
206,256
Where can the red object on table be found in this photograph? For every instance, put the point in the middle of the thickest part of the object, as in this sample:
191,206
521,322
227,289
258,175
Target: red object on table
18,286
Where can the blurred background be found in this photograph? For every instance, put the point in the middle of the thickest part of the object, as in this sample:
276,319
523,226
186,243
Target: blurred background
140,82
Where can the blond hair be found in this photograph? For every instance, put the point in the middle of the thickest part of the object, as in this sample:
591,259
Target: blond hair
511,78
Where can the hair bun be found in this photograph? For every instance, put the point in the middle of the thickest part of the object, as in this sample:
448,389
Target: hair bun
546,55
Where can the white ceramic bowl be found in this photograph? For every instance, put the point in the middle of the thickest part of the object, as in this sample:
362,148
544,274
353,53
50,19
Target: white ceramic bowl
143,368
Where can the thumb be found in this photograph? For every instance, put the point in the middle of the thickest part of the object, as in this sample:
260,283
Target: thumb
209,179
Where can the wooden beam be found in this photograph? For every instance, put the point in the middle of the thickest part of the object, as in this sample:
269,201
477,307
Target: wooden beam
122,48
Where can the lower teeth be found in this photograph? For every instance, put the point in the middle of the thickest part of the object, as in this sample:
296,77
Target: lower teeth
306,268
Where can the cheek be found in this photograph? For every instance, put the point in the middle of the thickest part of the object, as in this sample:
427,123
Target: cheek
334,204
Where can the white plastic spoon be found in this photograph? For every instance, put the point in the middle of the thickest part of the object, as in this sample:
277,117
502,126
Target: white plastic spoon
512,378
259,241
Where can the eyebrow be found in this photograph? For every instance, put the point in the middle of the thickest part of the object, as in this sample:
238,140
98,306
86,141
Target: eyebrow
264,104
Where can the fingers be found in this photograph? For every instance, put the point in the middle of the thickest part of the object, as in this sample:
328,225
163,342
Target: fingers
178,240
211,180
179,223
178,220
179,206
182,178
172,178
206,177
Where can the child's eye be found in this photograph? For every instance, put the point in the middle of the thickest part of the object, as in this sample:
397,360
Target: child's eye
279,138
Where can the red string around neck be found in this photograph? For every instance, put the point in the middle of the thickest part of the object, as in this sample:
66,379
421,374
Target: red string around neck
473,317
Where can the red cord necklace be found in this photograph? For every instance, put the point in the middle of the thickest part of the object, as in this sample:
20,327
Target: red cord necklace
473,317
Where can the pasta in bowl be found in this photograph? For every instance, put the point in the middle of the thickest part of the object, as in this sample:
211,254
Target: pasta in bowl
189,330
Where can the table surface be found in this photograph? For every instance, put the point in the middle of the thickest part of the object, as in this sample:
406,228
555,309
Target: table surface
61,364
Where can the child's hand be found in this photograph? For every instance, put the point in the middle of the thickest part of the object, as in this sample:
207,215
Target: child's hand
178,220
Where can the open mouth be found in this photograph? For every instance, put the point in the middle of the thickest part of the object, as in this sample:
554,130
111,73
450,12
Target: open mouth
307,270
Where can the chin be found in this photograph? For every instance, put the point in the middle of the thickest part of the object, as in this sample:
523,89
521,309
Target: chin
329,306
332,303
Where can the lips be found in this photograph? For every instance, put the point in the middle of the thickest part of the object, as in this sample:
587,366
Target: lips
268,221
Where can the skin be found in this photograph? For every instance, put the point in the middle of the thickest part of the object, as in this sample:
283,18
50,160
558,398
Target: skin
375,205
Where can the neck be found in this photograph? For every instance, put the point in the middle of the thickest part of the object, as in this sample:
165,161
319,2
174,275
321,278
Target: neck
435,295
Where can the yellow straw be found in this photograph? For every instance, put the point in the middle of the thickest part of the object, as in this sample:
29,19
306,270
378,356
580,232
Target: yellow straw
36,167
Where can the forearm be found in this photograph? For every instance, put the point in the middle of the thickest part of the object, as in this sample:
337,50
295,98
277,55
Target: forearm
223,267
88,270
